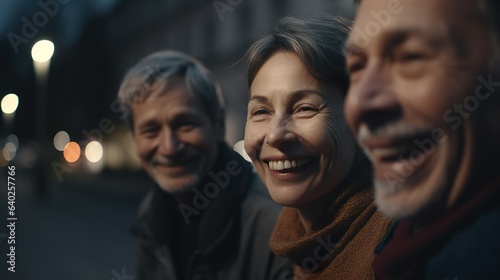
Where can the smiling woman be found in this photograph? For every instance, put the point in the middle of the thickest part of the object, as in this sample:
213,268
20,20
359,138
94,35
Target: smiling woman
301,147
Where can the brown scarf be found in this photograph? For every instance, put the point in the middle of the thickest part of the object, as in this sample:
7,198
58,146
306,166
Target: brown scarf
343,249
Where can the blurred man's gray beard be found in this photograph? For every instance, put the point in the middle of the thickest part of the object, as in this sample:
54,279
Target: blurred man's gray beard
399,212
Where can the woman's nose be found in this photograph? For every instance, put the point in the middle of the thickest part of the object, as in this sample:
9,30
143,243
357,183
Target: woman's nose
280,131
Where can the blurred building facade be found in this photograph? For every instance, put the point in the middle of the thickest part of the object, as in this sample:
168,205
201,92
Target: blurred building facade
86,72
216,32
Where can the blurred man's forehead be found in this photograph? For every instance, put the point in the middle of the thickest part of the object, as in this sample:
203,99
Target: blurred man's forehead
383,10
376,18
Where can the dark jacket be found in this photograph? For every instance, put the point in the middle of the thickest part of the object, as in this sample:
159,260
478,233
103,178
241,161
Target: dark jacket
233,230
460,243
472,253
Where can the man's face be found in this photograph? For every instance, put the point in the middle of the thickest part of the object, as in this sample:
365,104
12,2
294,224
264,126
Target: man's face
412,66
174,137
296,134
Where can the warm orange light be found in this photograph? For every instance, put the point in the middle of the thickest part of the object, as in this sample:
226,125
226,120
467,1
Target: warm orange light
72,152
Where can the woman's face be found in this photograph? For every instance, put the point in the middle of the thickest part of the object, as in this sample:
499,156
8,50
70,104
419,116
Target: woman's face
296,134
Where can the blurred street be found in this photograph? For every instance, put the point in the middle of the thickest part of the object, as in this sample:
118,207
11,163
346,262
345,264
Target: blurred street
79,231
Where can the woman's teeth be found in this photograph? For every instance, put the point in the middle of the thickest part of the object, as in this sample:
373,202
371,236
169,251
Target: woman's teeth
287,164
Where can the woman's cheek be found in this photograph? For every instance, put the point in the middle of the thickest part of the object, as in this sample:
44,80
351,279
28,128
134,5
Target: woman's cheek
252,138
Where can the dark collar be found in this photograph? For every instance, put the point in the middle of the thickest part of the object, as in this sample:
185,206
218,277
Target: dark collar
405,255
216,220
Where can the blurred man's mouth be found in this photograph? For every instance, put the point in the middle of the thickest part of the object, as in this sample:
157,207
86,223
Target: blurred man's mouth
397,152
177,165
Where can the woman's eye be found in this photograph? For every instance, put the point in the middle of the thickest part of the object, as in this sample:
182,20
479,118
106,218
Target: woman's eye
305,108
259,112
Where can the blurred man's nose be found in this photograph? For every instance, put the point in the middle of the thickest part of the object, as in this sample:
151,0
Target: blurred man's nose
169,144
372,99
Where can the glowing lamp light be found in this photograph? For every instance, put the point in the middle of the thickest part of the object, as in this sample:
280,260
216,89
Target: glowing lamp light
72,152
42,51
93,151
61,139
10,103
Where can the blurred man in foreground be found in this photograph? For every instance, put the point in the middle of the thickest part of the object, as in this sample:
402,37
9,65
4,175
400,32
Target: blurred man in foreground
208,216
424,105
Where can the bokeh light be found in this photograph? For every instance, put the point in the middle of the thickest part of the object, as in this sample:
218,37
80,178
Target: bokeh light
72,152
9,151
42,51
13,139
61,139
10,103
93,151
3,160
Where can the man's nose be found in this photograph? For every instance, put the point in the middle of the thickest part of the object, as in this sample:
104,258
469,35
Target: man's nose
169,143
372,99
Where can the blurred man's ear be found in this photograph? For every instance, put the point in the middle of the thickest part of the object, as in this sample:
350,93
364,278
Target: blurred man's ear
133,136
136,148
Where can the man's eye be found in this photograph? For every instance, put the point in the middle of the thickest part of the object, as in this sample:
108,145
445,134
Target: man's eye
412,56
355,63
354,67
149,132
188,122
187,125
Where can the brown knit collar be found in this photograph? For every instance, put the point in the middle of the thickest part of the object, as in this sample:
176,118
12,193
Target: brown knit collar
348,212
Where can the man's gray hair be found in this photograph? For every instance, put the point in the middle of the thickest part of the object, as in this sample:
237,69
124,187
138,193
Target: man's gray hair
154,72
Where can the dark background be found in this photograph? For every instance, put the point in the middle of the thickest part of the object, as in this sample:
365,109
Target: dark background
73,218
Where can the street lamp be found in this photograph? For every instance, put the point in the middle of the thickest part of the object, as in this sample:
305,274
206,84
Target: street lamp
9,105
41,53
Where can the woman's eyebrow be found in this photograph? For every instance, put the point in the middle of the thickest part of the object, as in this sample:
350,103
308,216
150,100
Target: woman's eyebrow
258,98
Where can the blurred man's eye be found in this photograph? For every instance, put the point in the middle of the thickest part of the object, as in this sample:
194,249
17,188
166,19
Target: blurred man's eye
354,65
187,124
149,132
